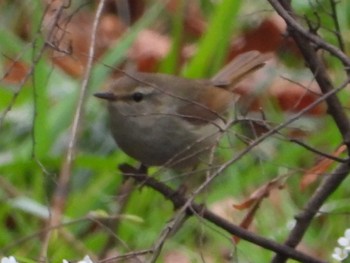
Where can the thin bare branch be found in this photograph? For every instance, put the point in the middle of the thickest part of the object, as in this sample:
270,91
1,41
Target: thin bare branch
314,150
306,34
61,191
337,31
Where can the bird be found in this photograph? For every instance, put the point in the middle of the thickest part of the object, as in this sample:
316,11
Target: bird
166,120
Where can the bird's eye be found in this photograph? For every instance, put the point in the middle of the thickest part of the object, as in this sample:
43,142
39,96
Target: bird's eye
137,96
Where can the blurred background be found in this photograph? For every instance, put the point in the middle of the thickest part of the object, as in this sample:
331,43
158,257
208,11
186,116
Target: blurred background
44,49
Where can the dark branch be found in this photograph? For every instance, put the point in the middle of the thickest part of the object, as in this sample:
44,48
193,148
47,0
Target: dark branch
303,39
292,23
329,156
179,200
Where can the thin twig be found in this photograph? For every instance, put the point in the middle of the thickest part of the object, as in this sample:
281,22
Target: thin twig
306,34
29,73
335,18
329,156
61,191
36,235
318,68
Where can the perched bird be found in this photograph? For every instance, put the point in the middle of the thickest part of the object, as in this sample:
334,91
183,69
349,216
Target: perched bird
165,120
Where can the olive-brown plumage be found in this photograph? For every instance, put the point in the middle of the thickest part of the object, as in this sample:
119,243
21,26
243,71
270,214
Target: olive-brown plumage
162,119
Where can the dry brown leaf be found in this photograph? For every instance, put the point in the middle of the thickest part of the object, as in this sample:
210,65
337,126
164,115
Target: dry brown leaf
248,219
294,97
15,71
70,38
272,28
260,193
254,201
319,169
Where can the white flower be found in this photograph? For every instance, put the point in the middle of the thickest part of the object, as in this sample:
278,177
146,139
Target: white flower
10,259
339,254
345,240
86,259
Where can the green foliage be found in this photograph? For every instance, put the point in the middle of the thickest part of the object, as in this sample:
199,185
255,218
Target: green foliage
220,29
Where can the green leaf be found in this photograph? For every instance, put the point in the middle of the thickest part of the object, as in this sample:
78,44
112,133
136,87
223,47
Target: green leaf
219,34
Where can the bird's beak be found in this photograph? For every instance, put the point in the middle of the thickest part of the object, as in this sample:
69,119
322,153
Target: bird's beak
106,96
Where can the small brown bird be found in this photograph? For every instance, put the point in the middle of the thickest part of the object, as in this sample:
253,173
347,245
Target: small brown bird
164,120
